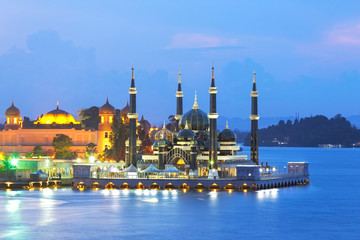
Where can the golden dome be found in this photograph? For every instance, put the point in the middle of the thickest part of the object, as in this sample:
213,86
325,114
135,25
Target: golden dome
57,116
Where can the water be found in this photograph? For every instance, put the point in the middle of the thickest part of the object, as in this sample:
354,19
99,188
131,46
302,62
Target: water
329,208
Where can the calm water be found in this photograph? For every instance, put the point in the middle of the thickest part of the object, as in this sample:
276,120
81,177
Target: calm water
329,208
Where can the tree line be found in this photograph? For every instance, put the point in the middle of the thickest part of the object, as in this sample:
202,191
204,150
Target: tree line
309,132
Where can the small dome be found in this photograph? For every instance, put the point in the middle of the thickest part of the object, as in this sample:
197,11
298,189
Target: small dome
107,108
206,145
138,142
196,118
125,110
227,135
164,133
12,111
57,116
162,142
186,134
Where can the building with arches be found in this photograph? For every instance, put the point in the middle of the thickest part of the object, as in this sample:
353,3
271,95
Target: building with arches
22,137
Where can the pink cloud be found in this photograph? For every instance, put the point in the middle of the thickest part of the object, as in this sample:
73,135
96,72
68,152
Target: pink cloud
345,35
197,40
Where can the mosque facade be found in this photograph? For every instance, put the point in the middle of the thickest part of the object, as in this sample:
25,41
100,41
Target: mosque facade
22,137
195,146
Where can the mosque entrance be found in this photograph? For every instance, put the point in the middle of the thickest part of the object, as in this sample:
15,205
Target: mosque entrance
179,158
179,163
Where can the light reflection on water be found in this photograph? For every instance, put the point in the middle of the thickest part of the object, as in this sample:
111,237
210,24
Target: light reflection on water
327,208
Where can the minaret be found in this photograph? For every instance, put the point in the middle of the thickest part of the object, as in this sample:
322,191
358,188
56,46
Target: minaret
132,115
254,141
213,129
179,103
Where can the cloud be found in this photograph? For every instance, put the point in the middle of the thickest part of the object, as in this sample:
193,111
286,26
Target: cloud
198,40
345,35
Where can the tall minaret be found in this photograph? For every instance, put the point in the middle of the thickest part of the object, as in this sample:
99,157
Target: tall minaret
254,141
132,115
213,129
179,103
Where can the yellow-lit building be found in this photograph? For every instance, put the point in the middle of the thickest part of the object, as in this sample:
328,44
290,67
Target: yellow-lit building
21,137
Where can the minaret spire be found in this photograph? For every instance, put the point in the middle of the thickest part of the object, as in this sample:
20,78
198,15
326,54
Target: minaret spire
195,106
57,105
179,103
132,115
213,115
132,77
254,117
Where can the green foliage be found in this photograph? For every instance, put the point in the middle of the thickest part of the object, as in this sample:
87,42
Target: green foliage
89,117
62,144
6,163
38,151
172,125
29,155
143,132
310,132
119,134
90,150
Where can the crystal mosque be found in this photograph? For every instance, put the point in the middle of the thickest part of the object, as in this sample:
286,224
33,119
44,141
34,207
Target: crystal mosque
195,146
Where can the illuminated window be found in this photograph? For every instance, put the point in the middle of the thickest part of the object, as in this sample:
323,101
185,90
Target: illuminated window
8,120
110,119
106,134
102,119
15,120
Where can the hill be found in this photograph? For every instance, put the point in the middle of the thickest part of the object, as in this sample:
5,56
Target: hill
309,132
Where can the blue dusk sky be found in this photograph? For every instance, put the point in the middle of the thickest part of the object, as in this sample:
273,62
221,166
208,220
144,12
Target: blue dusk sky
306,55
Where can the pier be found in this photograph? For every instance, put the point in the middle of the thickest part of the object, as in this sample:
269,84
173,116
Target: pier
247,178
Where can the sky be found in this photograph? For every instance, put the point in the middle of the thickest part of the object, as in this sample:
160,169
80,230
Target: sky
306,55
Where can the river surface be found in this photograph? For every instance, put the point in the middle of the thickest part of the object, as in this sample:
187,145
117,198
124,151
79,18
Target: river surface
328,208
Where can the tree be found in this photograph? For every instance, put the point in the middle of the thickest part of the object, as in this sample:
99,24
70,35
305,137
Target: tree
90,150
119,134
38,151
62,144
29,155
89,117
172,125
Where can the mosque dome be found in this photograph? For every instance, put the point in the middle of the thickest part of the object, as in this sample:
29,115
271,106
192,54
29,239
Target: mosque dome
162,142
164,133
196,118
107,108
12,111
185,134
227,135
125,110
57,116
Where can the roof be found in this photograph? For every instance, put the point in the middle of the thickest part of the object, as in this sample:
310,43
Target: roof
57,116
107,108
12,111
151,169
131,168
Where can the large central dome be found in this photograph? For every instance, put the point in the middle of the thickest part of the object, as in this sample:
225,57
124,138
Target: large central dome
196,119
57,116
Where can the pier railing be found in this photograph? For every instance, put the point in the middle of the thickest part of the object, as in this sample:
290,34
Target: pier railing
281,175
